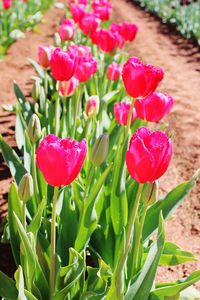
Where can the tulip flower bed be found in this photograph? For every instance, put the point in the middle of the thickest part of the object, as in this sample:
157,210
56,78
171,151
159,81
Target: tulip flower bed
184,17
84,217
18,16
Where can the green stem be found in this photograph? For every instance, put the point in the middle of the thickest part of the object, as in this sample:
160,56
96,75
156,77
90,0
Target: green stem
57,115
78,101
34,173
53,243
138,239
128,126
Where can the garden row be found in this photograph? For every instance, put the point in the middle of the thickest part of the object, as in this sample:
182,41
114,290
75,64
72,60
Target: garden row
16,16
186,18
84,204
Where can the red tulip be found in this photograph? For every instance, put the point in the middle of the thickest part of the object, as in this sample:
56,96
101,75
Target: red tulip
7,4
121,112
89,24
140,80
60,160
114,71
102,9
44,56
66,30
105,39
149,155
86,67
77,11
128,31
154,107
67,88
62,64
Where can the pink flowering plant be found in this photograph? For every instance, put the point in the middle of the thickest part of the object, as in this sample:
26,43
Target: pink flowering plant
85,220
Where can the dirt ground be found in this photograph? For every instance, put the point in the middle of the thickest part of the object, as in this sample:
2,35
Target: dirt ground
155,44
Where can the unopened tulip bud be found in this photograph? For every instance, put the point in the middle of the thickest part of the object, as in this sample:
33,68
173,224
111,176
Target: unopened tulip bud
34,128
36,91
100,150
25,190
150,193
92,106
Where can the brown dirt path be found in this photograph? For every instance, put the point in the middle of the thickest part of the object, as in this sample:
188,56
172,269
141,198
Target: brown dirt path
160,46
15,66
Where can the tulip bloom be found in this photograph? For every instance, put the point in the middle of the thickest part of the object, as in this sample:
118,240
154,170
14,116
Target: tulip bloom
60,160
149,155
102,9
92,106
154,107
44,56
62,64
66,30
7,4
77,12
140,80
128,31
86,67
121,112
67,88
89,24
114,71
105,39
80,50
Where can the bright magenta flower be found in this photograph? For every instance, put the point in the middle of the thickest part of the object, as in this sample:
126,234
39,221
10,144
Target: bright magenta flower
89,24
60,160
149,155
102,9
114,71
154,107
66,30
6,4
44,56
77,12
67,88
140,80
86,67
62,64
80,50
128,31
105,39
121,112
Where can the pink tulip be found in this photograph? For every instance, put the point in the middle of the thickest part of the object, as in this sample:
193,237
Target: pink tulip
44,56
128,31
67,88
77,12
92,106
86,67
114,71
154,107
62,64
121,112
102,9
66,30
140,80
149,155
89,24
6,4
80,50
60,160
105,39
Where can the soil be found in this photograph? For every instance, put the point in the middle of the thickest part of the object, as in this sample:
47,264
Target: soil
155,44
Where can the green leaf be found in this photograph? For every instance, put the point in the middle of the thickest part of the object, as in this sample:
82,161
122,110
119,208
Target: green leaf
37,67
172,255
165,292
19,132
36,222
88,219
109,97
12,160
14,206
8,289
142,286
70,274
19,277
167,205
190,294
